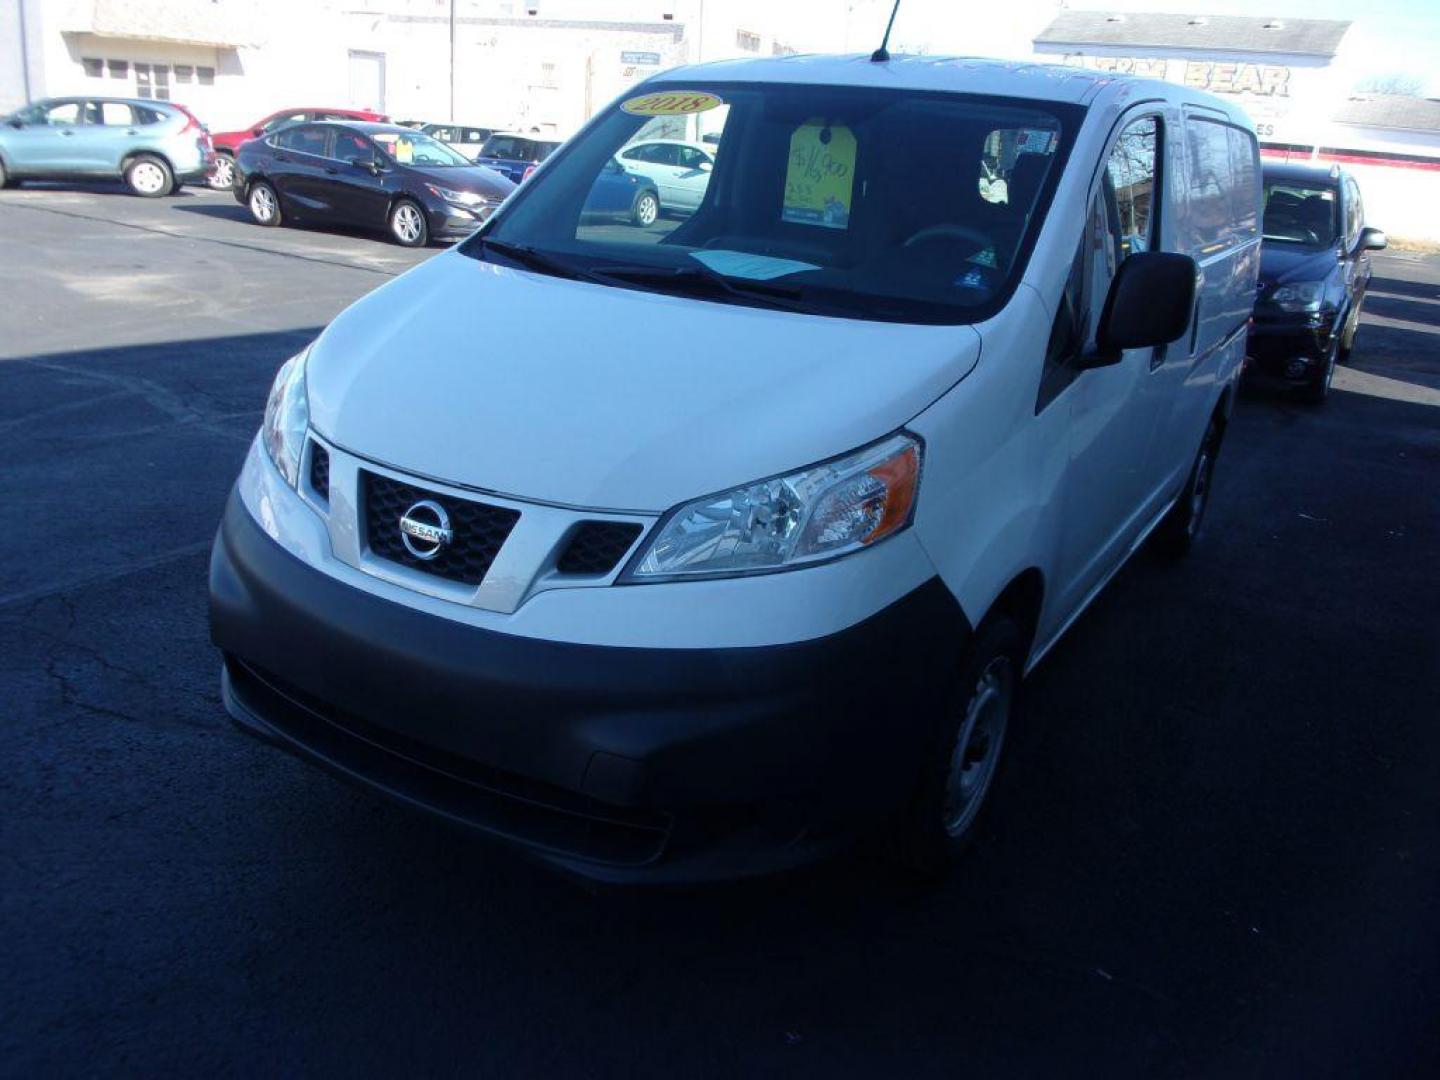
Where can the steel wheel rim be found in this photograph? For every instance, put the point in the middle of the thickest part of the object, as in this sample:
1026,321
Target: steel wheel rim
262,203
407,224
224,175
649,210
977,746
147,177
1199,491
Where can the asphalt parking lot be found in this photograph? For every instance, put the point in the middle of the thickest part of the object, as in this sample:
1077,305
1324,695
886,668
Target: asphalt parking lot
1217,856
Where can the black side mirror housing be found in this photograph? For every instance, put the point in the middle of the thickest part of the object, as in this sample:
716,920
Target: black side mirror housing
1373,239
1150,303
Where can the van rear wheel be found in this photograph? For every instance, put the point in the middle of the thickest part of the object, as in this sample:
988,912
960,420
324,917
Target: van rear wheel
965,757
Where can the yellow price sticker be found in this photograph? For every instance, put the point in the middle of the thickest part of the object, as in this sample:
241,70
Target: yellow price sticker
671,103
820,176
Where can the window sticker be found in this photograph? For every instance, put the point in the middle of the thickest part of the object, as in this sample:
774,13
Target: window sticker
1030,141
671,103
745,264
820,177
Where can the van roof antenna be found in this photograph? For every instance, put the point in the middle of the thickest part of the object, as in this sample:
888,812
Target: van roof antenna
882,54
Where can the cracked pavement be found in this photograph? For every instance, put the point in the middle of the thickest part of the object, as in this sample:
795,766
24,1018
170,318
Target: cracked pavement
1215,853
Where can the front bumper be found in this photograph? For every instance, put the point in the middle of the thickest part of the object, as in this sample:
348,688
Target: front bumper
620,764
448,222
1278,341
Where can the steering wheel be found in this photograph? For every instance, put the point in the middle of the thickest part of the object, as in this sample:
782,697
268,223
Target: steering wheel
955,232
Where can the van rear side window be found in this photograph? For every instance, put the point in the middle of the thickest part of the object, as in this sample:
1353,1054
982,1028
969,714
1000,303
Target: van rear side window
1224,183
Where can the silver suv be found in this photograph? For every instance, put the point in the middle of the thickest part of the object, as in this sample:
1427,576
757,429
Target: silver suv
153,145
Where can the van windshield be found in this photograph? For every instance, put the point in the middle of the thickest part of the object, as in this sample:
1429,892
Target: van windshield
860,203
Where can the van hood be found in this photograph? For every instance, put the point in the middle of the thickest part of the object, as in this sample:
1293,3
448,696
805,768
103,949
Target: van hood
588,395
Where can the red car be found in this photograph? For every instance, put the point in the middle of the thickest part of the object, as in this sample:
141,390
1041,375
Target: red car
222,176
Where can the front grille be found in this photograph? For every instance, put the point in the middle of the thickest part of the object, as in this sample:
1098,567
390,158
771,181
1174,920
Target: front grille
495,800
480,529
320,471
596,546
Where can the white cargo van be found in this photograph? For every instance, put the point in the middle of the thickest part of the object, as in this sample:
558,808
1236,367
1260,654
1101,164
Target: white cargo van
700,549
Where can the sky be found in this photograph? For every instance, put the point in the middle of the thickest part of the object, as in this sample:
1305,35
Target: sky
1389,37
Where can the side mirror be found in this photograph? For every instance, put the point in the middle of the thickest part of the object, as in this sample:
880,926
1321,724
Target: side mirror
257,132
369,164
614,167
705,166
1149,304
1373,239
16,122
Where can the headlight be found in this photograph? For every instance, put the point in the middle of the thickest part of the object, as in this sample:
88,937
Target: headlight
459,198
809,516
1301,296
287,416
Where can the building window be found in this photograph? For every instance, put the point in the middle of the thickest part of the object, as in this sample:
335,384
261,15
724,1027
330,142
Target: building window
547,75
152,81
205,76
93,67
184,73
747,41
119,69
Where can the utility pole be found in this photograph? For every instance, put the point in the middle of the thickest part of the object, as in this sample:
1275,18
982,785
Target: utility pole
24,50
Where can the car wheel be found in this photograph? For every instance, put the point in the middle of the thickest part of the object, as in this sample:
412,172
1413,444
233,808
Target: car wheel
149,176
222,175
264,204
1318,388
407,224
646,210
966,747
1180,528
5,180
1347,336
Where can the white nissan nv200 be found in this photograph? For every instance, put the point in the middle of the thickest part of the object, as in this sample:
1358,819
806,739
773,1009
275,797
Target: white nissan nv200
697,549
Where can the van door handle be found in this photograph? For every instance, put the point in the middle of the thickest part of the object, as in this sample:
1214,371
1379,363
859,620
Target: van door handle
66,132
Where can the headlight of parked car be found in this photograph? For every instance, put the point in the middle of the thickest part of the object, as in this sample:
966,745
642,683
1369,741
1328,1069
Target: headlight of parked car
459,198
287,416
808,516
1301,296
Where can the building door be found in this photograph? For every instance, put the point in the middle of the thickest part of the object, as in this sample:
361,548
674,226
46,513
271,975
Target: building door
367,80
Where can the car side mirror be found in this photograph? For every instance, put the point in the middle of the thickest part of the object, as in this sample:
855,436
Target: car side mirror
614,167
705,166
1150,302
257,132
1373,239
16,123
369,164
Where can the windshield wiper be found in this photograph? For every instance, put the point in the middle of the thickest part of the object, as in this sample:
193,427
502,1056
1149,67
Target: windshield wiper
543,261
784,297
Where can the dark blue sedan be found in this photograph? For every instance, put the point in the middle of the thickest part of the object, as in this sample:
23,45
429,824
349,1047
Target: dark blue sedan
619,194
366,174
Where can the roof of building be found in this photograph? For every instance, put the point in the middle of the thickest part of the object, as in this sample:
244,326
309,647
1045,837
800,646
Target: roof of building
1202,33
1391,111
191,22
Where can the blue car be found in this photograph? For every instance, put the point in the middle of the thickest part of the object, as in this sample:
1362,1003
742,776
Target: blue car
154,146
620,194
515,156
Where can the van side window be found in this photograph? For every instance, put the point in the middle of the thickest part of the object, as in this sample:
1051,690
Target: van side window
1122,220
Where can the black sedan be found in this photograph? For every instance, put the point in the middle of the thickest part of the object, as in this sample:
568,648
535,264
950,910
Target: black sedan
370,175
1314,268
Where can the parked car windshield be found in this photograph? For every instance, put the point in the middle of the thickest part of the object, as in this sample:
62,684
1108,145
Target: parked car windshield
1296,214
854,202
414,148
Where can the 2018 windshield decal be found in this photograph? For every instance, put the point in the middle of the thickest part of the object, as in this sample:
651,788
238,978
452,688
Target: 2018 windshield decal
671,103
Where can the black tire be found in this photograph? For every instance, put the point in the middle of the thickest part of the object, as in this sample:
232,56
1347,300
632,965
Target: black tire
5,180
222,174
1317,390
408,226
149,176
966,755
264,204
1180,528
1347,335
646,210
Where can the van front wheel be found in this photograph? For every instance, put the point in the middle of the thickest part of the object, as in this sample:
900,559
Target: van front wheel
941,821
1180,527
